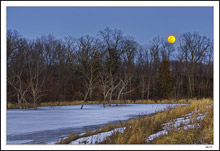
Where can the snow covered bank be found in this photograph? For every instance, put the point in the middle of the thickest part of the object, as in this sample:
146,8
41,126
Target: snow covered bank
185,120
95,139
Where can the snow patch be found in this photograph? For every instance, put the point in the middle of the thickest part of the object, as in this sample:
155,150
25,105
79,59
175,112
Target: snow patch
153,136
95,139
185,120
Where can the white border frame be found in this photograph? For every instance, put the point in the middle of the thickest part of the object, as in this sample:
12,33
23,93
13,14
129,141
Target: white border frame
5,4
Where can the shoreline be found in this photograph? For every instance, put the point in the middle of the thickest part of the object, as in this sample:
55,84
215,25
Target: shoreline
65,103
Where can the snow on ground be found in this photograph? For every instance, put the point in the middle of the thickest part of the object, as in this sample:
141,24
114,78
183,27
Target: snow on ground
184,120
54,119
95,139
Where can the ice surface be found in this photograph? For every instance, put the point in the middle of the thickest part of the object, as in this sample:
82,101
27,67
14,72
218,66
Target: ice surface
22,122
19,142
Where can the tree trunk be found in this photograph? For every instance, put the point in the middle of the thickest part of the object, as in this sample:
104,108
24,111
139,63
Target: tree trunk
190,87
82,105
193,87
143,89
148,89
104,102
35,102
19,100
85,97
110,98
119,94
35,106
90,94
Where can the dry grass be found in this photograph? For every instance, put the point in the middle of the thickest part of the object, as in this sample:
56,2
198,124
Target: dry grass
20,106
138,130
199,135
74,136
64,103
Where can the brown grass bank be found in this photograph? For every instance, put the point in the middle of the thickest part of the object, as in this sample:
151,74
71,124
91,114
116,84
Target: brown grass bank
138,130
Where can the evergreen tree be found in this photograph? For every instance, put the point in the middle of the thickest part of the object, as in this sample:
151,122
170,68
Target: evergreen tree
165,79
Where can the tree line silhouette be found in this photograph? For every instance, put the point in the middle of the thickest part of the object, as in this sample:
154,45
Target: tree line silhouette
108,66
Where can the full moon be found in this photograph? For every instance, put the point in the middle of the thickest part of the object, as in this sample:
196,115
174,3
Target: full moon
171,39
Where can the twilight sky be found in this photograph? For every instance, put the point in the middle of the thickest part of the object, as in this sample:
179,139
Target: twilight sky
143,23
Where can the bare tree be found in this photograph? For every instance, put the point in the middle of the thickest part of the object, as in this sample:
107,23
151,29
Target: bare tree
36,84
87,63
122,85
113,40
16,63
114,84
179,74
144,72
130,49
21,88
166,50
104,80
194,47
13,44
154,49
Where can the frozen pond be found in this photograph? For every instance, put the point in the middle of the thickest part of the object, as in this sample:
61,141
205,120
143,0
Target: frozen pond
47,124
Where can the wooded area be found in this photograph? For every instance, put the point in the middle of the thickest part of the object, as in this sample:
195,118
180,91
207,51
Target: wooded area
109,66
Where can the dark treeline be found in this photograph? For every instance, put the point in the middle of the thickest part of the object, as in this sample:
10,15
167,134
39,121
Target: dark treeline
109,66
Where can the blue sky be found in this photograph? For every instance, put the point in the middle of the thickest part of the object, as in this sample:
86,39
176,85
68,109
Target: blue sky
143,23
